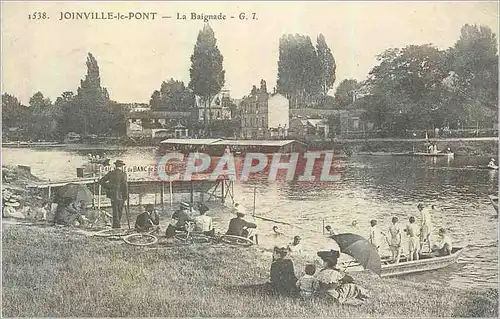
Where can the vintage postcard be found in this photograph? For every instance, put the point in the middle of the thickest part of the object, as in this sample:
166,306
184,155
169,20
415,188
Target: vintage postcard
249,159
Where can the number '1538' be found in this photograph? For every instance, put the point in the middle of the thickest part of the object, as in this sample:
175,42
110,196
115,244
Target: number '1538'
38,16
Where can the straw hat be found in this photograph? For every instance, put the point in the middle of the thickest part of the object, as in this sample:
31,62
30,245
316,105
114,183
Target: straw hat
185,205
420,205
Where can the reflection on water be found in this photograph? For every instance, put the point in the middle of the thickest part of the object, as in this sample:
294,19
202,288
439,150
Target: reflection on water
370,188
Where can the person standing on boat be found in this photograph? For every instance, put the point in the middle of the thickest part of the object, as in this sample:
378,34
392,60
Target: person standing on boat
395,240
412,230
376,235
425,226
116,187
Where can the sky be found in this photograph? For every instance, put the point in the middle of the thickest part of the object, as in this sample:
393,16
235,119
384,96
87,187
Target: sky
135,56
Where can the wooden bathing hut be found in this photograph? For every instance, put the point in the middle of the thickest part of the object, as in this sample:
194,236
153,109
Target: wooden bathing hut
217,147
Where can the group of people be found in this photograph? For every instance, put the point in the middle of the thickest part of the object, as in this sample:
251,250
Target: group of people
329,282
418,235
433,149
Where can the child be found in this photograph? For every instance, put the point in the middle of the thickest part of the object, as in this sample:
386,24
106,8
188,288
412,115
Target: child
412,230
376,235
307,284
395,240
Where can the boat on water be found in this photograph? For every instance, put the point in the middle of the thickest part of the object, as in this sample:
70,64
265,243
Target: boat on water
427,262
433,154
494,201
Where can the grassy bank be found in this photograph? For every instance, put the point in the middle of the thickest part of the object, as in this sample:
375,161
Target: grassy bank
55,272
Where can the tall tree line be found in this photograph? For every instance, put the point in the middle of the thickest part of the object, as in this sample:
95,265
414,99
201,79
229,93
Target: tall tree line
423,87
90,111
305,73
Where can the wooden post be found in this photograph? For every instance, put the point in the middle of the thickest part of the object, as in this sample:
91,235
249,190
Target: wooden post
99,197
171,194
323,226
93,191
254,192
222,197
162,194
192,192
50,193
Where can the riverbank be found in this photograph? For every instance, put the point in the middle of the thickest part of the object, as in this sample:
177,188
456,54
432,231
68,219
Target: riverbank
473,146
54,272
460,146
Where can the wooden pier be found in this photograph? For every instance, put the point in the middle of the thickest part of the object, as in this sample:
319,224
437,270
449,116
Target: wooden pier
220,189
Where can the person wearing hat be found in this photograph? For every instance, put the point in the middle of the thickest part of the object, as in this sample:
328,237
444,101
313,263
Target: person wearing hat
282,274
237,226
444,246
203,223
147,220
425,227
183,215
116,187
334,284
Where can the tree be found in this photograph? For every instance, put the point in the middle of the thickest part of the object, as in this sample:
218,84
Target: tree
299,70
327,65
91,103
64,105
345,95
38,102
43,122
173,95
14,114
474,78
407,88
206,72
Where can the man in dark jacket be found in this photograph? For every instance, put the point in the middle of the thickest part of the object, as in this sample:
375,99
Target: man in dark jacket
237,226
116,187
147,220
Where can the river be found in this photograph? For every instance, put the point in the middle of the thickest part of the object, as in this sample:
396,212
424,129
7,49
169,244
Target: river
371,187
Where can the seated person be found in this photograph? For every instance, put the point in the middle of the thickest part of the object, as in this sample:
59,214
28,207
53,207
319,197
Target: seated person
204,222
443,247
237,226
147,220
69,213
283,279
182,216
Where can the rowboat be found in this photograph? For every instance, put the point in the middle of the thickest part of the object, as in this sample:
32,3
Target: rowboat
494,201
426,262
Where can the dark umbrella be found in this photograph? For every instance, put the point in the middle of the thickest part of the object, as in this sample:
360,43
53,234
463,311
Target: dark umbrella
76,192
360,249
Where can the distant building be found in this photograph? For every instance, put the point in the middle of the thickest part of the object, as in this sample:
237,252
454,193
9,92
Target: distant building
309,122
159,124
219,107
264,115
136,107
